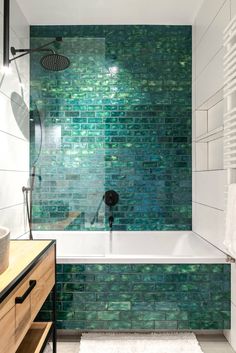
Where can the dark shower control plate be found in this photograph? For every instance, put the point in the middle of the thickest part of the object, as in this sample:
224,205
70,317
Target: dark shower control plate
111,198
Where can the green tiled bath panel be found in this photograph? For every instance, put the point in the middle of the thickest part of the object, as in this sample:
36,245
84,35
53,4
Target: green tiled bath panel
142,297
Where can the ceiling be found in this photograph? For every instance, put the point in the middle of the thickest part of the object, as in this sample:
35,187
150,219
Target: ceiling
82,12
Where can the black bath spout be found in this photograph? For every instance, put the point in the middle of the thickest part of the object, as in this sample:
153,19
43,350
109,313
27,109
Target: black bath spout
111,220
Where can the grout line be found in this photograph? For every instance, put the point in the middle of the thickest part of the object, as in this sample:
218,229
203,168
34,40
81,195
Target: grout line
210,243
220,101
203,204
208,99
204,33
200,140
5,208
209,62
24,80
17,137
14,170
208,171
20,236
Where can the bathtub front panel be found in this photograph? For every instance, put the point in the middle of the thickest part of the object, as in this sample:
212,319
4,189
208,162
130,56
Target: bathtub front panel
142,297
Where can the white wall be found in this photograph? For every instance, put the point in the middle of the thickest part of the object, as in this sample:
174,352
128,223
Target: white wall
109,12
209,176
14,145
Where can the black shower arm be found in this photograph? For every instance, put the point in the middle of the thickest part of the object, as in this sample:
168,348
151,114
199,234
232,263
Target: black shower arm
28,51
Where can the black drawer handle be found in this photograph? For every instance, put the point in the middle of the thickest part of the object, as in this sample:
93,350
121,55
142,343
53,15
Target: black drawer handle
20,300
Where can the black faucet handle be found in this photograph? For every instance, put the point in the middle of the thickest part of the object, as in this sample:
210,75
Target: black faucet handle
111,198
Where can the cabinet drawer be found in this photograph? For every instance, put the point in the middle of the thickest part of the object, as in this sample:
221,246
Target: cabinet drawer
41,279
19,308
7,329
35,337
22,311
44,275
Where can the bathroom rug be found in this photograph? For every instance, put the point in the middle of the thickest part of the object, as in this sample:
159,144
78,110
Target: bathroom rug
139,343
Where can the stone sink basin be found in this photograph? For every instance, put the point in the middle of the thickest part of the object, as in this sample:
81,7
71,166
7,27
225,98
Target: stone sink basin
4,248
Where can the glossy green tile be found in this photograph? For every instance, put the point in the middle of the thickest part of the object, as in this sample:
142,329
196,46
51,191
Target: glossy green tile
91,315
119,325
142,315
96,306
113,304
71,325
141,306
166,325
95,325
107,316
143,325
119,306
177,315
137,121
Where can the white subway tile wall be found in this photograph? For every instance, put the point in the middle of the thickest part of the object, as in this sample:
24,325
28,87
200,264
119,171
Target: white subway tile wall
208,222
211,79
215,116
215,154
205,52
201,156
233,8
230,334
205,16
209,179
14,143
201,122
210,188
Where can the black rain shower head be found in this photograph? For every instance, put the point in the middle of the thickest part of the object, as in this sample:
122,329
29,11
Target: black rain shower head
52,61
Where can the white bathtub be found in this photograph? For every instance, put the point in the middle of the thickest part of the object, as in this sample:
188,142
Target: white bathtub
132,247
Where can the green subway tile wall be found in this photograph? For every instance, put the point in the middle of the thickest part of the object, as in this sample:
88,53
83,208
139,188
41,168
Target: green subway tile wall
137,296
119,118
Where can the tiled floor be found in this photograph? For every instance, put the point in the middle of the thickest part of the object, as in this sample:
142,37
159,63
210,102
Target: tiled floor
209,344
214,344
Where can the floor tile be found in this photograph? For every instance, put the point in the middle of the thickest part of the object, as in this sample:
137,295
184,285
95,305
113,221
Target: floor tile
68,347
214,344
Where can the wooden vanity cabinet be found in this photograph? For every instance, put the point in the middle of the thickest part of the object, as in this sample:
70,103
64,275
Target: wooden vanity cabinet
24,287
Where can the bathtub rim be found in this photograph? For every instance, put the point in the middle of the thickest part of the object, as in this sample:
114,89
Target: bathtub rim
219,257
139,260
